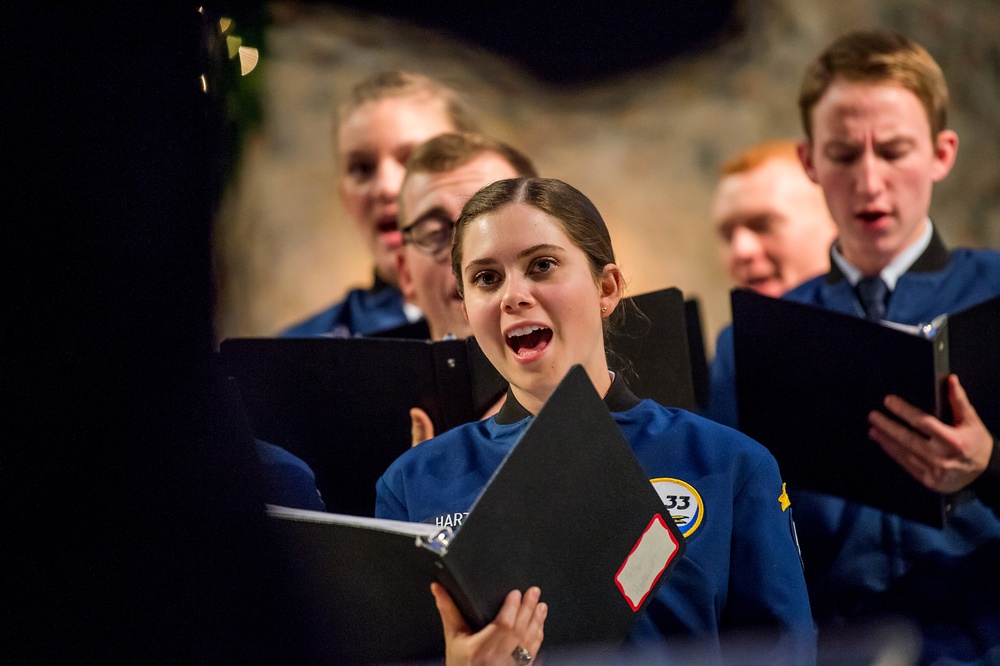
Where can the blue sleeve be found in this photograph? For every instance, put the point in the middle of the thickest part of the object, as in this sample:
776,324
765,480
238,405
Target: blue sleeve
987,486
321,323
288,480
362,312
722,382
387,503
766,582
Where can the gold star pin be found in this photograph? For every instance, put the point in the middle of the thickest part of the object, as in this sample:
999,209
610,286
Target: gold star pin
783,499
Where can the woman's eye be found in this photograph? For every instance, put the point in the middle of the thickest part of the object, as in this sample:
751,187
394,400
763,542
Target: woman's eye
485,279
544,265
360,169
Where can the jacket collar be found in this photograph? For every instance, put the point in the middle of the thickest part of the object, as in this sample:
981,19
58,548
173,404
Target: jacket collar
618,399
378,285
934,258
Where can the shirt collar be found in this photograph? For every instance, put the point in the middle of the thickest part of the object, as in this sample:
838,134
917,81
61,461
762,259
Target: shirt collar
618,399
891,273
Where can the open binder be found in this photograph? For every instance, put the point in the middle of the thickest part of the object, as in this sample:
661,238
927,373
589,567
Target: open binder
660,350
342,404
652,349
807,378
366,581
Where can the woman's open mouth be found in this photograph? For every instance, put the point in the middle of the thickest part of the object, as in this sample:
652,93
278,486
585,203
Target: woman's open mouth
529,340
389,232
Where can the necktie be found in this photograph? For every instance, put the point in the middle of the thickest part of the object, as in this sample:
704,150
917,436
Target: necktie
873,294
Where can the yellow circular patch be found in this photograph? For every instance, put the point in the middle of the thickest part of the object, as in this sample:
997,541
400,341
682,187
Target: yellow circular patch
683,503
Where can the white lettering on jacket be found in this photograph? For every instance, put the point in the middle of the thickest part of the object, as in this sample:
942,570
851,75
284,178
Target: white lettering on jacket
450,519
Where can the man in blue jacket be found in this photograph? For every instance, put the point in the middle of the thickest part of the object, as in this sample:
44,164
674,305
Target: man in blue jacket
873,109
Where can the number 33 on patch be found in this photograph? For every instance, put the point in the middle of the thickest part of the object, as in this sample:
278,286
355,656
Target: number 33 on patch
683,503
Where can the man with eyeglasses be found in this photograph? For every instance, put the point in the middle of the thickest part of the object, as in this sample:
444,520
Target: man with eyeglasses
441,175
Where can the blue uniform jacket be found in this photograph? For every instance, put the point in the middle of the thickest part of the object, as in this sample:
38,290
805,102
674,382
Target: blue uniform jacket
362,312
862,563
288,480
742,566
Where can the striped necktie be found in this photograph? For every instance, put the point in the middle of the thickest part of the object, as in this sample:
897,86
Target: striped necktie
873,293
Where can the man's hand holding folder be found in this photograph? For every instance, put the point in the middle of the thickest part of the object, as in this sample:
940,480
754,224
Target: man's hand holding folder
817,387
945,458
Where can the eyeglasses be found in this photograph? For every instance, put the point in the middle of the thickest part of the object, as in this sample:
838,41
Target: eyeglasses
430,235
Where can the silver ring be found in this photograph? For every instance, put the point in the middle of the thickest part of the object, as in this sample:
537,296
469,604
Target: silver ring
521,656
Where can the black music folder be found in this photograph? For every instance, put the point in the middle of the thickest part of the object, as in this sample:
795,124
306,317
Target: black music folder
342,404
417,330
648,348
696,345
807,378
367,582
652,349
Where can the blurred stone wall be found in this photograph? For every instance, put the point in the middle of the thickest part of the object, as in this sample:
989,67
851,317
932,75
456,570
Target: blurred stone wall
645,148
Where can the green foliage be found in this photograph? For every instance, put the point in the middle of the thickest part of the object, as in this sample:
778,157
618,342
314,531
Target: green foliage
238,94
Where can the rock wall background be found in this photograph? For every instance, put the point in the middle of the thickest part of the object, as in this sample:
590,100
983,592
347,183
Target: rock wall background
645,148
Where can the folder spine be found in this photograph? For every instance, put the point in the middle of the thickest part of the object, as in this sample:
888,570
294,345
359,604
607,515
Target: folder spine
454,582
942,368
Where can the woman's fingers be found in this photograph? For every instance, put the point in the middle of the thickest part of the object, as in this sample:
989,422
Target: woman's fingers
526,609
535,633
519,623
451,618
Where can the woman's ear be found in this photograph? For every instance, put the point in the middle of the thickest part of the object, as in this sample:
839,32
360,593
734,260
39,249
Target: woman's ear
611,285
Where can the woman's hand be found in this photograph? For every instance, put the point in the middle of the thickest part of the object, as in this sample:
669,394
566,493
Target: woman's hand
519,623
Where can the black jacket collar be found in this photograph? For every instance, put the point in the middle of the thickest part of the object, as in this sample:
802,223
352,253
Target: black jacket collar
934,258
618,399
378,285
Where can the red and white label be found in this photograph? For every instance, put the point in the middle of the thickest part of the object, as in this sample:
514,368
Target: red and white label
648,560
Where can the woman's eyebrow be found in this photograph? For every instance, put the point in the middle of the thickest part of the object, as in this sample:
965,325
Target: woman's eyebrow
480,262
538,248
546,247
